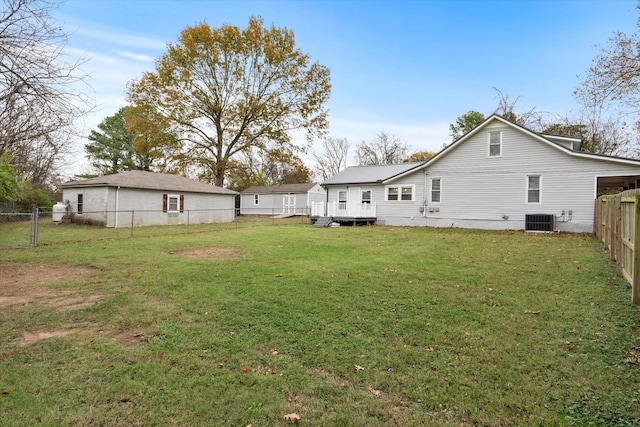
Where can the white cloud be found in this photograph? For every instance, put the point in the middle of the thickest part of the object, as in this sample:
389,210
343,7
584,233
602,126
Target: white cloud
117,36
135,56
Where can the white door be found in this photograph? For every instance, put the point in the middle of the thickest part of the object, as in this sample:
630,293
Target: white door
354,196
289,204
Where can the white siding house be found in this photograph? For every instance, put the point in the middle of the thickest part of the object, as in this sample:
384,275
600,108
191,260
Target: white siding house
357,194
501,176
141,198
294,199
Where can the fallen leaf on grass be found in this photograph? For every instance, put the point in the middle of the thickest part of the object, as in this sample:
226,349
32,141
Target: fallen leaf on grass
531,312
376,393
292,417
359,368
279,275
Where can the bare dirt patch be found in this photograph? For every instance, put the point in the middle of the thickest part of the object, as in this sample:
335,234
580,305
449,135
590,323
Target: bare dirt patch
209,253
30,338
21,284
24,284
18,275
128,339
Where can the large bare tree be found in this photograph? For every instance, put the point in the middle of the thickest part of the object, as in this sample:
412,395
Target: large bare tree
39,96
332,157
386,149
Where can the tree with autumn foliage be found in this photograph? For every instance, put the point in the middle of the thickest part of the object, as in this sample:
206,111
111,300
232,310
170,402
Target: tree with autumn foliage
614,74
271,166
609,96
421,156
226,90
156,145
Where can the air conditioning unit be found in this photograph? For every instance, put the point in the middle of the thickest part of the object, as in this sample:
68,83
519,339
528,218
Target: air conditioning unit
539,222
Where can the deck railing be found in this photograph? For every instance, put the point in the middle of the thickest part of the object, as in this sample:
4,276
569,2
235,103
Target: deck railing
344,210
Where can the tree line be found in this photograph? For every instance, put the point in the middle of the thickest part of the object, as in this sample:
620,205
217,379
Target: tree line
222,103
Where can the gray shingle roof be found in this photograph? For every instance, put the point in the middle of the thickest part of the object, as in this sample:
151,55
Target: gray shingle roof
369,174
149,181
280,189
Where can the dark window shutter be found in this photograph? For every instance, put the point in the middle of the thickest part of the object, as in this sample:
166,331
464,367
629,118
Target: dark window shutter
165,198
182,203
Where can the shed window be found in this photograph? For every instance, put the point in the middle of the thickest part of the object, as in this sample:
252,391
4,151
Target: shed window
533,188
256,199
80,204
495,144
435,189
366,196
173,203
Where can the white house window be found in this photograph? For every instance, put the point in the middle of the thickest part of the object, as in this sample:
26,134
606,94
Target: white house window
392,193
342,199
80,204
435,189
533,188
172,203
400,192
366,196
256,199
495,144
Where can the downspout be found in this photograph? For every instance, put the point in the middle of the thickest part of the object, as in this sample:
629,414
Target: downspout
117,196
326,200
424,197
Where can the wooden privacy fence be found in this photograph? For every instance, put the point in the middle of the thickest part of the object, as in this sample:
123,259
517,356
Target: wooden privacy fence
616,224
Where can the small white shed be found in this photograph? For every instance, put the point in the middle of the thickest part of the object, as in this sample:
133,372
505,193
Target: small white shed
293,199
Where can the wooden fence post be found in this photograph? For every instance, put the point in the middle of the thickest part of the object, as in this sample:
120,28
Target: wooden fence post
635,291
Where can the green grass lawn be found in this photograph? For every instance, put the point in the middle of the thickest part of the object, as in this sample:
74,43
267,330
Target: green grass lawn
349,326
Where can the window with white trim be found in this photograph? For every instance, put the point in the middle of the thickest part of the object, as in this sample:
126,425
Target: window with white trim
366,196
256,199
342,199
173,203
435,189
495,143
533,188
400,192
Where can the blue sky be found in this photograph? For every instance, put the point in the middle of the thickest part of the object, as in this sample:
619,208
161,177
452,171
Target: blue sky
407,67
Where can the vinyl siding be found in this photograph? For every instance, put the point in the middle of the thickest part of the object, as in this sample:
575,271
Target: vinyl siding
394,212
101,203
490,192
270,204
476,188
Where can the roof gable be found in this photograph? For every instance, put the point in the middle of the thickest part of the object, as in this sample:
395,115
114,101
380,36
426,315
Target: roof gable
280,189
370,174
149,181
544,139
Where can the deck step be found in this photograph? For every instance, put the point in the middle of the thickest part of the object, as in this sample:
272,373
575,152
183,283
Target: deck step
322,221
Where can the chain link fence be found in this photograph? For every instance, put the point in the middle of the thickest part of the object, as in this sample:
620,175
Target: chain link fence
26,229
